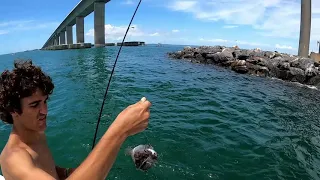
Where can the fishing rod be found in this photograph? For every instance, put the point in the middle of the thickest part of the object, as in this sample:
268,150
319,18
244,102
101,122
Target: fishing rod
114,65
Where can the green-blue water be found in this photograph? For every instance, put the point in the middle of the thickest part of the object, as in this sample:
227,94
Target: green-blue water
206,122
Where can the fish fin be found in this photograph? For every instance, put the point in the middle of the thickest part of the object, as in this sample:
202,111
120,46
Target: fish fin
128,151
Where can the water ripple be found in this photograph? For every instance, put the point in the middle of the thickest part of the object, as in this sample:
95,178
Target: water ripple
206,122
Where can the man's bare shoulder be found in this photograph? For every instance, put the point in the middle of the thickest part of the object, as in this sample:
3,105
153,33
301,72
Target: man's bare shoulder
14,150
13,156
16,154
17,163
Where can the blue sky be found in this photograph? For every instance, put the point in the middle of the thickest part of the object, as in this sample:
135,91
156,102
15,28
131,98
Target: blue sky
265,24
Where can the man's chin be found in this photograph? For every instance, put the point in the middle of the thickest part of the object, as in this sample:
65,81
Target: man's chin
42,125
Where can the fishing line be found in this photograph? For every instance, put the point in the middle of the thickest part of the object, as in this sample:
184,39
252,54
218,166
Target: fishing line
114,65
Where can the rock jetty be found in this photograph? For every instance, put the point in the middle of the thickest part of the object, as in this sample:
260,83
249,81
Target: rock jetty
256,62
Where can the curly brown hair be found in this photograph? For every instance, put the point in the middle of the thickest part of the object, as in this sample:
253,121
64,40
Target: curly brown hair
21,82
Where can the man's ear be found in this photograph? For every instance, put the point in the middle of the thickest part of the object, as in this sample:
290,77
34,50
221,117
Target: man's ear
15,113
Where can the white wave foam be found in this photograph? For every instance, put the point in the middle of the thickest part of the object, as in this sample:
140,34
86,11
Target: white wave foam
296,83
305,85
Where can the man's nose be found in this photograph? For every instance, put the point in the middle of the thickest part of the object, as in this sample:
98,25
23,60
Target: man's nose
44,109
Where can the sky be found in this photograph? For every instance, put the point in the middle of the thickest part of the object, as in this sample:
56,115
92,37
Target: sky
266,24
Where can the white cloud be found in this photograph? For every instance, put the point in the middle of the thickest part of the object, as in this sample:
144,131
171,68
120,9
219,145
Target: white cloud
24,25
213,40
276,18
183,5
15,23
115,33
233,42
185,39
155,34
38,26
284,47
230,26
3,32
252,43
175,31
230,11
128,2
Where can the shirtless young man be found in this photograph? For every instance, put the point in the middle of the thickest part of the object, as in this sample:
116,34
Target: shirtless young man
23,103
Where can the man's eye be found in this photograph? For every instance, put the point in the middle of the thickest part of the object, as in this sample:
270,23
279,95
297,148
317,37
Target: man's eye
34,105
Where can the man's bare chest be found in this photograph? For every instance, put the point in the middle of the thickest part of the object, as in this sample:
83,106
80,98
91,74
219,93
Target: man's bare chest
43,159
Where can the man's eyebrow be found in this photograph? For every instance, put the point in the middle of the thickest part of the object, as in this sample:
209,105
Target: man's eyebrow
37,101
34,102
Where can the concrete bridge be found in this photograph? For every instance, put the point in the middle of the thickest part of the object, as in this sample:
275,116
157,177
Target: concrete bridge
62,37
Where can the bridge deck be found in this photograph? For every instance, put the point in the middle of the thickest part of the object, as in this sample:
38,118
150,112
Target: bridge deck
83,9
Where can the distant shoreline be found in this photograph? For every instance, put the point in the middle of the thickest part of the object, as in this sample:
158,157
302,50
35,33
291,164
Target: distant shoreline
255,62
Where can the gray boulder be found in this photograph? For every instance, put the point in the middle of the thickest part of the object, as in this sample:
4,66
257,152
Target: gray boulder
239,66
297,75
220,57
302,63
199,58
314,81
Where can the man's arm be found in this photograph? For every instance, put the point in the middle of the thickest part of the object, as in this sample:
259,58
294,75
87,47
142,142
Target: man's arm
130,121
63,173
99,162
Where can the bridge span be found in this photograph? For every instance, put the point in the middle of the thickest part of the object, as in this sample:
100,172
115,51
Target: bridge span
62,37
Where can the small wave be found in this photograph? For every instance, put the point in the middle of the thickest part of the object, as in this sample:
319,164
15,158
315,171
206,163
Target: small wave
296,83
176,168
305,85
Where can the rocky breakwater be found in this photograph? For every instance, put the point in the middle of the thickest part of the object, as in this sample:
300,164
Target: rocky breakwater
261,63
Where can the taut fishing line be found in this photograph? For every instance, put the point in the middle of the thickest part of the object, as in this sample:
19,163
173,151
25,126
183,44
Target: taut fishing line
114,65
143,156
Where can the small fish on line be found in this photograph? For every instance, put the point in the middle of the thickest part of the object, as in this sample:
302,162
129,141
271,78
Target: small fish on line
143,156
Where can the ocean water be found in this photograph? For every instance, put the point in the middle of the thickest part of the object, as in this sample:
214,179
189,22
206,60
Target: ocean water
206,122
